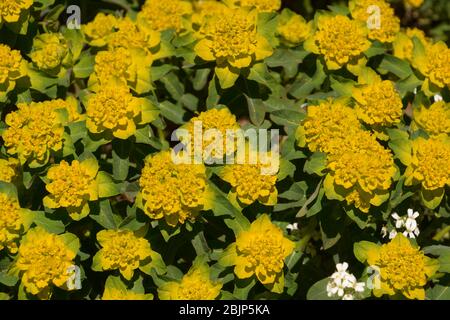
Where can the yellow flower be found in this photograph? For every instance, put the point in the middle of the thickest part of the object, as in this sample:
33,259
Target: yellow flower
164,15
216,119
71,186
175,192
206,8
326,125
233,41
34,132
361,173
121,250
389,23
195,285
252,182
10,10
403,44
435,119
413,3
429,166
260,5
50,52
117,294
113,110
100,29
12,67
45,259
377,102
261,251
13,222
293,28
339,40
403,267
433,62
8,169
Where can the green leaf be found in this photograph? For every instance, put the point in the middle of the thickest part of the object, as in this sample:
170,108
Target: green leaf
401,145
201,78
85,66
160,71
106,217
173,85
213,94
242,287
260,74
8,279
318,291
256,110
174,113
120,157
396,66
304,84
361,248
288,59
106,186
53,226
316,164
285,117
287,169
438,292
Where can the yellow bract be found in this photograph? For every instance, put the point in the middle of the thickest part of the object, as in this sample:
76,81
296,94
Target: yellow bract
435,119
44,260
175,192
121,250
10,10
71,186
117,294
233,41
195,285
261,251
35,130
403,44
50,52
339,40
8,169
12,222
98,31
12,67
373,12
294,29
403,268
163,15
206,8
413,3
260,5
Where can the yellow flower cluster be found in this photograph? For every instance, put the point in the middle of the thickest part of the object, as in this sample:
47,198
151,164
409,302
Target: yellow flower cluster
195,285
10,10
44,260
435,119
50,52
11,222
113,111
260,5
8,169
378,103
233,41
294,29
261,251
206,8
339,40
71,186
97,32
175,192
70,105
373,12
35,130
113,67
12,67
121,250
118,295
164,15
132,35
403,268
403,44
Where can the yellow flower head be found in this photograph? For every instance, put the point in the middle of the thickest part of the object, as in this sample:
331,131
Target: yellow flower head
413,3
361,173
378,103
195,285
434,63
403,44
71,186
403,267
132,35
429,164
206,8
50,52
12,222
35,130
10,10
261,251
339,39
259,5
294,29
114,67
233,41
45,259
121,250
435,119
12,67
216,119
164,15
326,125
100,29
172,191
118,295
389,23
113,110
8,169
253,180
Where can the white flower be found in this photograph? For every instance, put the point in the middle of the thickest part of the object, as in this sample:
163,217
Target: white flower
392,234
292,227
412,229
399,221
438,97
343,284
359,286
348,297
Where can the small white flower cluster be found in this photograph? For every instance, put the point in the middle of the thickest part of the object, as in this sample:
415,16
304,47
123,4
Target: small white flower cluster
408,222
343,284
